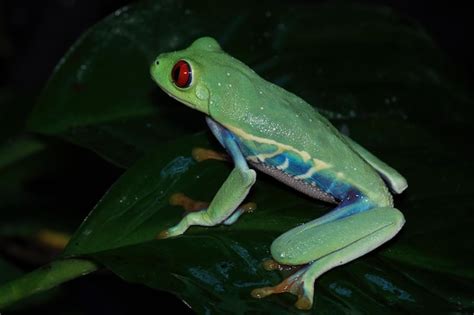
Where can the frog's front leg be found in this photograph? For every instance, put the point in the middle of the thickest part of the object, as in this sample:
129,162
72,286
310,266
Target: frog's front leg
228,198
324,244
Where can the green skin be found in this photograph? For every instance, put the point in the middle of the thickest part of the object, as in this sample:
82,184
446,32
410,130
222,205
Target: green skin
259,112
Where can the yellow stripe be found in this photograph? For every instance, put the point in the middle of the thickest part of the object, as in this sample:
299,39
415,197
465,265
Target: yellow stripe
305,156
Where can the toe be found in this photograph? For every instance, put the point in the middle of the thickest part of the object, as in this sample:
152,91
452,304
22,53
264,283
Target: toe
303,303
163,234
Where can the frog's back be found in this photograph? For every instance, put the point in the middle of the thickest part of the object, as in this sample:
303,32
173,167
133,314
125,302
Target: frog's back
273,125
284,136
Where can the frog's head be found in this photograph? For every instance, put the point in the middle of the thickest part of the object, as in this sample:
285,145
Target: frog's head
184,74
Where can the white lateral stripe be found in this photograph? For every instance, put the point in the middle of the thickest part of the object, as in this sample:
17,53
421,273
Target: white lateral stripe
308,173
283,166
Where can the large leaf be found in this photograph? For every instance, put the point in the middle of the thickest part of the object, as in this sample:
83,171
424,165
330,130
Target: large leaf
348,60
378,76
214,269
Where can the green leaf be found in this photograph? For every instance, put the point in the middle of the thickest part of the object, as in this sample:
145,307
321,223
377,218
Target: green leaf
214,269
42,279
348,60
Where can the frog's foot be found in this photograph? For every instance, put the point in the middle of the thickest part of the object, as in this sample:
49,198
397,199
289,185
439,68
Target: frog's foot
201,154
301,284
271,265
196,214
189,205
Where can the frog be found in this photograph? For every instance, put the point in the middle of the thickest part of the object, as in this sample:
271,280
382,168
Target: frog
265,128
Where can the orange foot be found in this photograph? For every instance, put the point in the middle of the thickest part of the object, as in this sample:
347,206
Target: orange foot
294,284
201,154
190,205
271,265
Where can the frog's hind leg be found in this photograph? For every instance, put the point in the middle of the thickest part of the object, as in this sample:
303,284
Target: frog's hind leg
324,244
395,180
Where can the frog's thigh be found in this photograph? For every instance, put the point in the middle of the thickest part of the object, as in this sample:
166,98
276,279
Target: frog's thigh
330,245
346,238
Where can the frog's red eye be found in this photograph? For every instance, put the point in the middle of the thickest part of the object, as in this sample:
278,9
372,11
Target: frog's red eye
181,74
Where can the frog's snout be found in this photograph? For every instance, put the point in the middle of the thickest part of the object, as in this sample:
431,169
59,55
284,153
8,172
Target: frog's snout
154,68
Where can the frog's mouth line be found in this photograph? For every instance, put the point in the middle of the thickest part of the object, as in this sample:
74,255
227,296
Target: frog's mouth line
174,96
181,100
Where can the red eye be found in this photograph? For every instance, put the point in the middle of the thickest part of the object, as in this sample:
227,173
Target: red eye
181,74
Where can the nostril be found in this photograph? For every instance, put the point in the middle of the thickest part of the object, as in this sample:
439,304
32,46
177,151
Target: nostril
157,62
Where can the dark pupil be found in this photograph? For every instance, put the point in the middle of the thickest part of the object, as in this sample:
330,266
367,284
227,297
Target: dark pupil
176,72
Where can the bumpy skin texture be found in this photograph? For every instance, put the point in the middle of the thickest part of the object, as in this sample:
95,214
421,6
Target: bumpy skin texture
280,134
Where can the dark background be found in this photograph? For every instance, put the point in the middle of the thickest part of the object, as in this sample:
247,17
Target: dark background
34,35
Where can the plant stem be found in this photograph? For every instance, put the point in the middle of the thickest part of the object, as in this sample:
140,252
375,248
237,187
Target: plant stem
43,279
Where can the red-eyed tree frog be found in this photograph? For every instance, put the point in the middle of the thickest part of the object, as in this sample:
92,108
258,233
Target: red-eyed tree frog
264,127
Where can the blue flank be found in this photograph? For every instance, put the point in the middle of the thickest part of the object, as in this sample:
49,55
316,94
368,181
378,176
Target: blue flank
352,200
323,179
